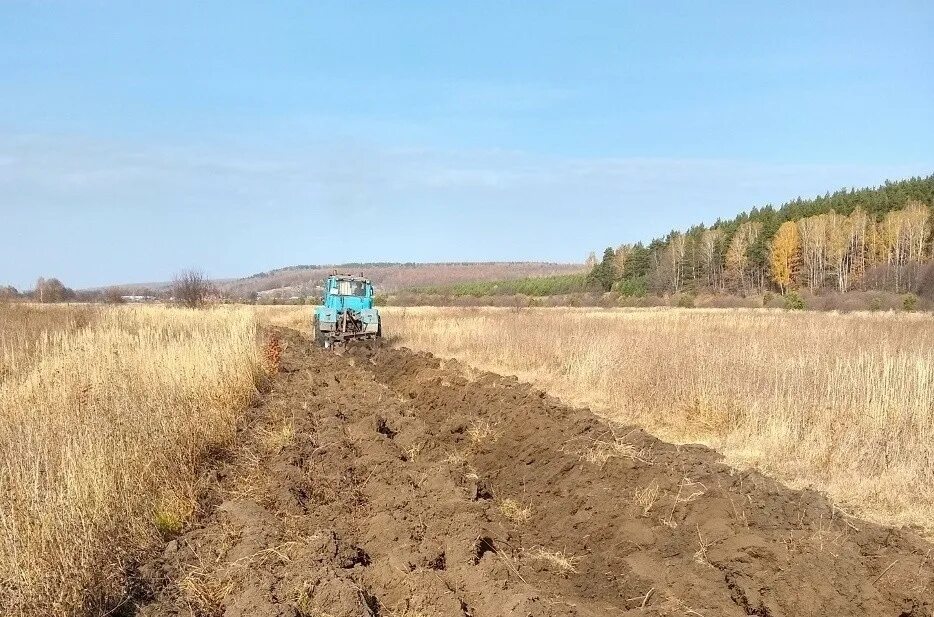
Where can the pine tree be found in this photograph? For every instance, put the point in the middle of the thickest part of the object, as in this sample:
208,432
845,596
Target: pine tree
637,262
602,274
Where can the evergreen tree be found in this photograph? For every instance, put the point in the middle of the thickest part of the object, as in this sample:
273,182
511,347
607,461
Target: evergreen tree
602,274
637,263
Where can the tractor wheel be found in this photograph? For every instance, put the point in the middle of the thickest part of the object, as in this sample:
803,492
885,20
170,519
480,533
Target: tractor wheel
319,335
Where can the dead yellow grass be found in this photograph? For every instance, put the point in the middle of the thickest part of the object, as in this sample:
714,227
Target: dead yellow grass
602,451
844,402
556,560
101,432
644,498
287,316
515,512
481,432
25,328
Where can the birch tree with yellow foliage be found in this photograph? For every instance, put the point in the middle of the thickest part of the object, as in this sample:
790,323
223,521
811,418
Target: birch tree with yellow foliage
785,256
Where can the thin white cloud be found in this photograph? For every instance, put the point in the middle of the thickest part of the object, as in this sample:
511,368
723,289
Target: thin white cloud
656,193
69,205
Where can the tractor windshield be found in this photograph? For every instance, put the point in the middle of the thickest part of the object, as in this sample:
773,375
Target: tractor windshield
351,288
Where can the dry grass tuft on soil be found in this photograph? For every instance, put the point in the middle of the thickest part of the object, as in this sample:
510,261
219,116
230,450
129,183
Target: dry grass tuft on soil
556,560
843,402
602,451
515,512
481,432
104,417
644,498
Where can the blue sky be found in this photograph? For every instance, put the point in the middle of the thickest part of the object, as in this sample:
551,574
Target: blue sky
137,139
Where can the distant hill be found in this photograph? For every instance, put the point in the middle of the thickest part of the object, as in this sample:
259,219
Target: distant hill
391,277
304,280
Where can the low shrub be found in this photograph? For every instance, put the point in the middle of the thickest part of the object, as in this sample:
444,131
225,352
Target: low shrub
686,301
794,301
634,287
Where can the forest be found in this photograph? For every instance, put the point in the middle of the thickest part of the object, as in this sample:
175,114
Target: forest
534,286
854,239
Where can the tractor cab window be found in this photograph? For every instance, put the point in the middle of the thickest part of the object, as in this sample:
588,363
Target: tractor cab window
351,288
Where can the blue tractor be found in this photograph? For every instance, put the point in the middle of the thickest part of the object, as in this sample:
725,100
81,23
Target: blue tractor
347,313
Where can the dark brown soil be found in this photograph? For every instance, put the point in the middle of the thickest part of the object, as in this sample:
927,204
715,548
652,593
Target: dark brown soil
414,488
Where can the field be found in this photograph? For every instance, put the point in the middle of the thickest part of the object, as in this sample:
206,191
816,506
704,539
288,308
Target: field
841,402
155,462
384,482
105,417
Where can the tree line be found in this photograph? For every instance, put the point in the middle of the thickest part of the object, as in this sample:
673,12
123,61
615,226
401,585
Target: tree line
190,288
46,290
854,239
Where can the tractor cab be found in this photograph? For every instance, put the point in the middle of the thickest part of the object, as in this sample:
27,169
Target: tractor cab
348,292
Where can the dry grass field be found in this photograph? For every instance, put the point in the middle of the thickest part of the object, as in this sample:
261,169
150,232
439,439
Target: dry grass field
287,316
104,416
841,402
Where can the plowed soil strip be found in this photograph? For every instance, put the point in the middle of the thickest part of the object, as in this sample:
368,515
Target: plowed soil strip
387,483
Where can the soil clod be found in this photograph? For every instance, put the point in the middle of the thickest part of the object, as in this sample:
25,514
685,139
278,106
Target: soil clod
383,428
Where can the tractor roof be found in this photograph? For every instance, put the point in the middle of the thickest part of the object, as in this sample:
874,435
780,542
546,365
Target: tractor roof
350,277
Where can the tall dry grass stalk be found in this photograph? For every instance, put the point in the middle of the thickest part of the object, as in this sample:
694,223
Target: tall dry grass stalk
24,327
841,402
286,316
101,432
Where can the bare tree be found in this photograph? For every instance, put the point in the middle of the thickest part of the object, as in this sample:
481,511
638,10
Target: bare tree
737,256
709,248
190,288
838,248
52,290
113,295
859,244
813,232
